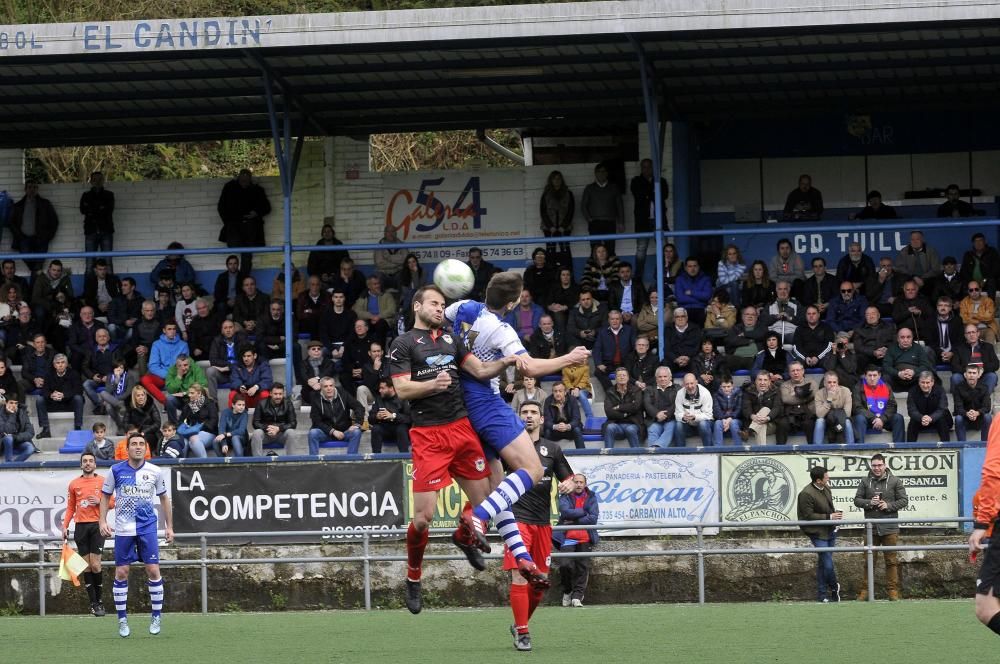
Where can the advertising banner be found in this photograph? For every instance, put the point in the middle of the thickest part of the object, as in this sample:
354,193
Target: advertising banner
765,487
341,498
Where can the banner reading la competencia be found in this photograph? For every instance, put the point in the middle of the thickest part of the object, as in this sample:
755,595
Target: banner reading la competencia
765,487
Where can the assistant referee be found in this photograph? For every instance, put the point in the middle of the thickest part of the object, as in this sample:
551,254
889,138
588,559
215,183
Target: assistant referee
83,503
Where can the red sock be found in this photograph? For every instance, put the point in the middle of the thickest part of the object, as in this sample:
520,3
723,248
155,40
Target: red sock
519,605
416,542
536,599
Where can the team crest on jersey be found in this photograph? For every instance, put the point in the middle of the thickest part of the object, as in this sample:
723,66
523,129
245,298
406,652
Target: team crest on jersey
447,338
480,464
543,451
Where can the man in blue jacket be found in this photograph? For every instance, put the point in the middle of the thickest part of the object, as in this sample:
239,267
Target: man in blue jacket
577,508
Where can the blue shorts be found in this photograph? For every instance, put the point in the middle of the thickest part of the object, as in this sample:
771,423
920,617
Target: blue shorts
494,421
143,547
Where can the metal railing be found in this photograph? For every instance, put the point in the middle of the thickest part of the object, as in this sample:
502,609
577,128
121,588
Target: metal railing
367,557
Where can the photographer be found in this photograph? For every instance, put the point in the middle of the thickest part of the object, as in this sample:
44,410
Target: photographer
797,396
833,409
882,495
843,361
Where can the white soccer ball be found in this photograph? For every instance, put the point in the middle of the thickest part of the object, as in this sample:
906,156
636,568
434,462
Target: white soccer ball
454,278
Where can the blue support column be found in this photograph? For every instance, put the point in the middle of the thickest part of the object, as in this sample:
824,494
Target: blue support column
681,147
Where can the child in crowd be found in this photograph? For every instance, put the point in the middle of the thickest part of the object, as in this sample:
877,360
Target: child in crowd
727,409
172,446
121,449
100,446
232,428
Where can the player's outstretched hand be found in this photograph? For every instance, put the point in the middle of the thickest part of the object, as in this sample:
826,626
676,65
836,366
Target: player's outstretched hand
579,355
442,381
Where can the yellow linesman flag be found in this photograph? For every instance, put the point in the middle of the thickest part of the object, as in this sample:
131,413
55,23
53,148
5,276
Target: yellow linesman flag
71,565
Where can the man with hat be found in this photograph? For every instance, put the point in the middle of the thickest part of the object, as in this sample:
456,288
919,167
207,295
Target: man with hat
314,366
950,282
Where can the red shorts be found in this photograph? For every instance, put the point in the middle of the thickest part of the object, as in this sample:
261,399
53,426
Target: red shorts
443,450
538,541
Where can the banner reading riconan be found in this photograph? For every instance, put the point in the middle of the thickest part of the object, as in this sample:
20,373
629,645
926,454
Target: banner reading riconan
764,487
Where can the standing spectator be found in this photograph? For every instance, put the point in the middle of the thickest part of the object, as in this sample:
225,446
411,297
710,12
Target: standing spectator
981,312
584,320
540,276
821,288
63,391
730,272
97,205
763,412
660,403
579,508
611,348
481,271
643,188
787,265
232,435
33,223
335,416
308,306
681,341
628,295
954,206
693,412
873,339
846,312
693,290
556,212
927,406
242,206
773,359
251,378
51,293
757,289
315,365
162,356
812,341
981,355
881,495
833,412
602,208
378,309
727,409
198,424
981,264
530,391
228,285
875,208
389,419
180,378
125,311
273,417
798,401
389,263
251,305
919,261
223,355
943,332
600,272
561,417
875,407
326,264
816,504
804,203
884,287
912,310
623,407
745,339
856,267
905,361
973,405
16,432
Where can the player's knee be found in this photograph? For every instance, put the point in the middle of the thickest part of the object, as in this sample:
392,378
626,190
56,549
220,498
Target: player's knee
987,606
95,567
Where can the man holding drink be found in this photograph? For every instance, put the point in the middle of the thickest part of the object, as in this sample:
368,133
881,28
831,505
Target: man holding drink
816,504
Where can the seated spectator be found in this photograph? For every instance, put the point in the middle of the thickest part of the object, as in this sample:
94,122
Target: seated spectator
389,419
199,422
846,312
172,446
202,329
52,291
787,265
875,407
641,364
730,272
315,365
875,209
524,318
232,434
142,415
251,305
981,264
10,387
117,389
547,341
278,285
973,405
821,288
335,415
180,378
798,400
326,264
251,378
482,271
856,267
271,333
16,432
96,370
659,404
804,203
833,412
144,335
943,332
529,392
576,380
646,323
183,270
905,361
349,281
223,356
727,409
681,341
756,288
628,295
121,448
162,356
708,365
165,294
308,306
919,261
883,287
873,339
693,290
9,307
783,315
773,359
19,333
912,310
100,288
36,362
80,337
693,412
563,296
954,206
720,315
927,406
762,412
745,339
623,408
125,311
389,263
561,417
950,283
973,351
99,446
612,348
335,324
63,391
228,286
539,277
373,370
355,355
599,273
980,311
9,277
584,320
813,341
843,361
273,417
378,309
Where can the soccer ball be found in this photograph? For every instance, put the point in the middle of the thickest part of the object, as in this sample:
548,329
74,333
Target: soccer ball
454,278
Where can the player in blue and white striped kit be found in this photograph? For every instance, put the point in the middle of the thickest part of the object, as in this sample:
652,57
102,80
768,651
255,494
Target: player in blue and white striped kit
136,483
480,326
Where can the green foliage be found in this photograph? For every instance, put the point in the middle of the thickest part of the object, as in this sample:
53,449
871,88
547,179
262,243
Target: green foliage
11,609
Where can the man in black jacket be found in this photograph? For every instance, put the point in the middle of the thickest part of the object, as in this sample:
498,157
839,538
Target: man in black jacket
272,419
927,407
223,355
561,418
641,364
63,391
984,259
943,333
16,432
389,418
627,295
745,339
335,415
100,287
251,305
972,405
97,205
227,285
813,341
242,206
977,353
34,223
643,188
202,330
547,342
125,310
763,411
314,366
659,404
623,407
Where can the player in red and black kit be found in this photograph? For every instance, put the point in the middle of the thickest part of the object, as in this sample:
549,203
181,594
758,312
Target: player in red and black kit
424,364
533,513
985,512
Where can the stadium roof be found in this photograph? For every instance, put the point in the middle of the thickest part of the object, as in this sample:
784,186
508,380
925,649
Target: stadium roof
528,66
